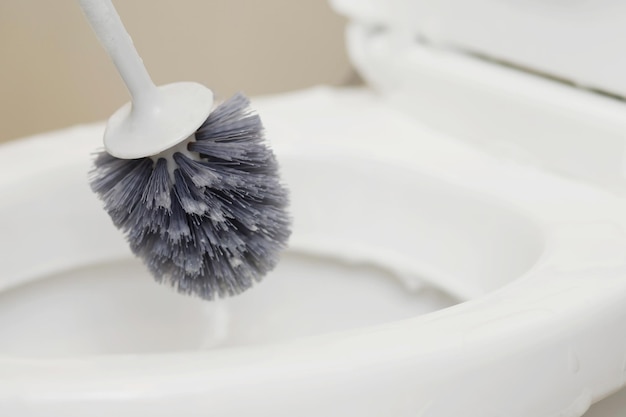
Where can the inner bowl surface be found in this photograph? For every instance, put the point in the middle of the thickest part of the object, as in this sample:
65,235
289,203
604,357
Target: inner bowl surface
372,243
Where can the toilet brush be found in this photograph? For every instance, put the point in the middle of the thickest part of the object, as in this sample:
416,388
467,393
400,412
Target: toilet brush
195,190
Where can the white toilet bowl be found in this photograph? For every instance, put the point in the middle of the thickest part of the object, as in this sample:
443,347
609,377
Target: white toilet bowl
383,237
431,272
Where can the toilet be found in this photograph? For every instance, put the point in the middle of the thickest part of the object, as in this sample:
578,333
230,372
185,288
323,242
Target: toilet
458,248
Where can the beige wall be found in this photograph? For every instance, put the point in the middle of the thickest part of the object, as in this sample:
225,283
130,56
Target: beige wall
53,72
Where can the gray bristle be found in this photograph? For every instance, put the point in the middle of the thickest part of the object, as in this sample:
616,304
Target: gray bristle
220,225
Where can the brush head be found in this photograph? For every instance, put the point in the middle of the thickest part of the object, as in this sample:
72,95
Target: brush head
208,217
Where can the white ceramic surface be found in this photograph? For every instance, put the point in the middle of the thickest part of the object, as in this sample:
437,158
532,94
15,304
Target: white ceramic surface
510,113
394,223
576,41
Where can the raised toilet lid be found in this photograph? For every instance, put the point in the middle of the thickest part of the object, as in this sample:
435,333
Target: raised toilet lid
580,42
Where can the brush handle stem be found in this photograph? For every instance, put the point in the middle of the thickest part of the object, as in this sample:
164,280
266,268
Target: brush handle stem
111,33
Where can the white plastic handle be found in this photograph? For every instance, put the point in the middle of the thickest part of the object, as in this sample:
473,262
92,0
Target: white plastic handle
158,118
111,33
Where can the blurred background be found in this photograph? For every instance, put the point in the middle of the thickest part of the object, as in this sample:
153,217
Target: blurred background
55,74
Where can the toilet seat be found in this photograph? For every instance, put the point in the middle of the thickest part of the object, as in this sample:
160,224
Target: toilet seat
503,352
